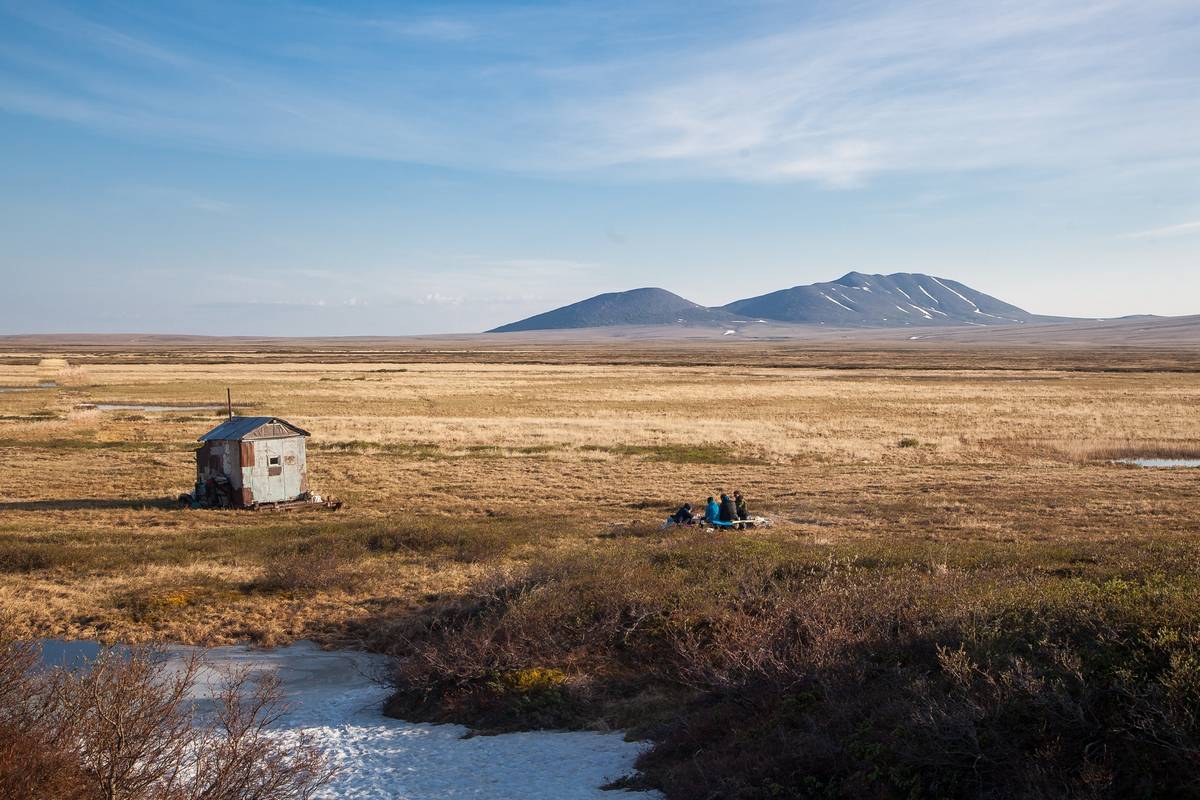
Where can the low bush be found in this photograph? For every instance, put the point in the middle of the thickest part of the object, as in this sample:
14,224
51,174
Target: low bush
468,540
318,565
123,729
848,677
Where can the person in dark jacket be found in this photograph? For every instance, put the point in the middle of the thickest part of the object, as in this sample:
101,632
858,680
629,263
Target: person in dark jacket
684,515
739,505
728,511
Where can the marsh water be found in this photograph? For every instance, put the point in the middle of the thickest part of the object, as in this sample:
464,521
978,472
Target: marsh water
42,385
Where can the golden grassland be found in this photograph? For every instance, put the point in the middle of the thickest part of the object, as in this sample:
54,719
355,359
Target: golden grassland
450,469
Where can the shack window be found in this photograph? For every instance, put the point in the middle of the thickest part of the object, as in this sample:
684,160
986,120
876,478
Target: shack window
273,461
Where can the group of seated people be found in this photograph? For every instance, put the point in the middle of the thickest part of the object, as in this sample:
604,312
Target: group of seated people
730,512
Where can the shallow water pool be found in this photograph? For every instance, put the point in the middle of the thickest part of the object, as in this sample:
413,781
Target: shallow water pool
42,385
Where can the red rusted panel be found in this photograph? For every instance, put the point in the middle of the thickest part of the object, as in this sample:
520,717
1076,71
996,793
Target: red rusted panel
247,454
247,496
274,471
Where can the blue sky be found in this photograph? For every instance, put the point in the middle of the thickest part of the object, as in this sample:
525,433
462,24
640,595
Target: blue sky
393,168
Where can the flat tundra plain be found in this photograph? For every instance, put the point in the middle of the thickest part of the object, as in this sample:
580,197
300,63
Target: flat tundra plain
452,469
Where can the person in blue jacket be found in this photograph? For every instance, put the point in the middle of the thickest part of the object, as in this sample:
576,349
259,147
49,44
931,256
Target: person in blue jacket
712,512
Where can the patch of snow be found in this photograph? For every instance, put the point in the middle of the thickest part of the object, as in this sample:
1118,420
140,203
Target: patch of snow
763,321
729,332
336,697
927,294
901,291
961,297
924,313
836,303
905,310
1161,463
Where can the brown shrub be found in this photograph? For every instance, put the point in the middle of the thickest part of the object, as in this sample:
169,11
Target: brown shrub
124,729
34,768
315,566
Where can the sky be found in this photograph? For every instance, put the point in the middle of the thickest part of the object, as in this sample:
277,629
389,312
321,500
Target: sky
370,168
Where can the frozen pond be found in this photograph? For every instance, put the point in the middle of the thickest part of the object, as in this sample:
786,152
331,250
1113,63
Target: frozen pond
57,653
335,696
1160,463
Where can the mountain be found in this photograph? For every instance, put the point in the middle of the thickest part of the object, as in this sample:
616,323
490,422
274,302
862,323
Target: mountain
858,300
635,307
855,300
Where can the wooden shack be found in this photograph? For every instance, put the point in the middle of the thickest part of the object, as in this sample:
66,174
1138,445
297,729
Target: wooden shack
251,461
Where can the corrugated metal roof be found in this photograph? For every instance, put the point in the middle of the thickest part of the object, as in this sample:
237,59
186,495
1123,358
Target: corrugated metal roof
239,428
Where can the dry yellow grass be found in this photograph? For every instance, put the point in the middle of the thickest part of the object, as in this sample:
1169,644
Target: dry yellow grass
1010,456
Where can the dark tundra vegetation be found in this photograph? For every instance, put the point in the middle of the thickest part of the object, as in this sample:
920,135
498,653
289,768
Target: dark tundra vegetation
767,670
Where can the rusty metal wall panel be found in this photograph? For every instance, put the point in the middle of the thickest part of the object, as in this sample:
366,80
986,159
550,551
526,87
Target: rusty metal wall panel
295,467
247,454
247,497
232,465
265,477
202,462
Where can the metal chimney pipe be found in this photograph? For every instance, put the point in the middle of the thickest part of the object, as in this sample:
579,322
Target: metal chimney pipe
229,402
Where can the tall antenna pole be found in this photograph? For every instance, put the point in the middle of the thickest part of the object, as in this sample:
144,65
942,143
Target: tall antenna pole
229,402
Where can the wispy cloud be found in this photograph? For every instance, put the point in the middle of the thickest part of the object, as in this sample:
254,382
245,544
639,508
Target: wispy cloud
834,94
1168,231
160,195
493,288
432,28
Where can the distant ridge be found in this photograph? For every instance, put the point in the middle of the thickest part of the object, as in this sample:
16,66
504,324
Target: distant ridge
860,300
649,306
853,300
